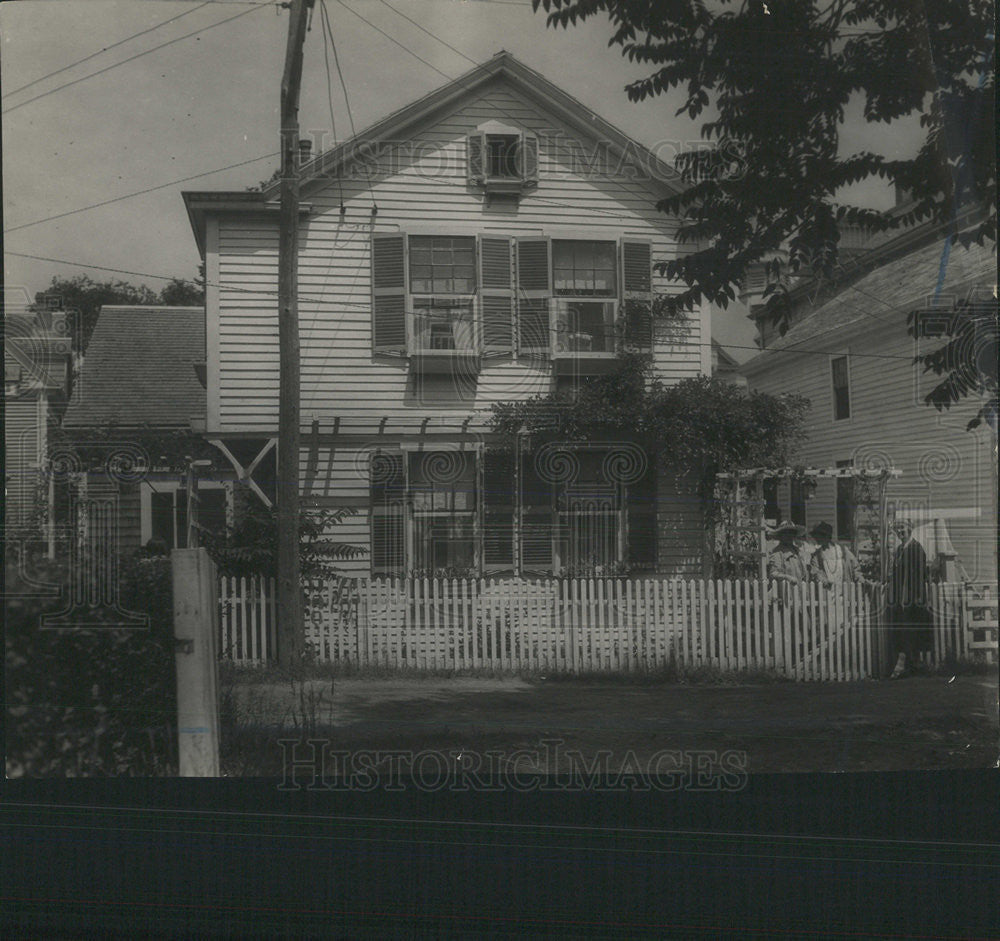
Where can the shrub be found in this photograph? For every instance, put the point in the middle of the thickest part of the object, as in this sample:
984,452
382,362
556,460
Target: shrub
89,701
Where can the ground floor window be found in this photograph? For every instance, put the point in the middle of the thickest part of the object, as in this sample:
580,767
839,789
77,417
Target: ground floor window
164,509
496,511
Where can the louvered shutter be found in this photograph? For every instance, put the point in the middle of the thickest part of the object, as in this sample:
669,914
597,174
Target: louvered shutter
537,518
389,296
475,150
387,490
641,507
637,295
496,296
498,507
528,154
534,289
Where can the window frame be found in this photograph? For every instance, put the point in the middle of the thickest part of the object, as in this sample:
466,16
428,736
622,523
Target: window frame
834,359
148,488
441,302
523,160
564,298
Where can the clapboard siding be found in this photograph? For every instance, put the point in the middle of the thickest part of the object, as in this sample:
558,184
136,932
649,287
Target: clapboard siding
946,470
420,183
24,443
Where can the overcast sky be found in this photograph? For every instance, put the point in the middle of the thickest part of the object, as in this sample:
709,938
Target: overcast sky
211,100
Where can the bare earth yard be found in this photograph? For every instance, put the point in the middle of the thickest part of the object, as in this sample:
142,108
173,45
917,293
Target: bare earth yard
926,722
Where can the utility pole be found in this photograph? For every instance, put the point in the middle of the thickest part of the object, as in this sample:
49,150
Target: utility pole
291,638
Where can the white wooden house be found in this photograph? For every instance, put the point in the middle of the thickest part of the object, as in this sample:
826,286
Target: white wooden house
141,378
491,241
848,351
37,354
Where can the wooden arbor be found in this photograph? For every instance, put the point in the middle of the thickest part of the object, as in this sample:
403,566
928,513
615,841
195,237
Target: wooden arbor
745,505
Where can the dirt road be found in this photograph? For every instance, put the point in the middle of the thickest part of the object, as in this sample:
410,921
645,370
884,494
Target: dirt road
915,723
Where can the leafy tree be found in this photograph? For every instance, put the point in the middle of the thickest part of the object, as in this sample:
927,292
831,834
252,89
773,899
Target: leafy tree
178,293
251,545
966,358
774,80
697,428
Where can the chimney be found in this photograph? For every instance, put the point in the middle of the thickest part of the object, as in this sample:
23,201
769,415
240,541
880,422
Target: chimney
305,151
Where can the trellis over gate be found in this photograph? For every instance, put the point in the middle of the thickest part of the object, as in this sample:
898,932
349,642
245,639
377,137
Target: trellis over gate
574,625
746,488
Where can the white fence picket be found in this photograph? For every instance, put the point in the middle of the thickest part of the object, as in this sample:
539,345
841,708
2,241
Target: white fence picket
805,632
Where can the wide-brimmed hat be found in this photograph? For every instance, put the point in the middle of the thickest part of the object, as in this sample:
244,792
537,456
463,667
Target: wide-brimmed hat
822,531
788,528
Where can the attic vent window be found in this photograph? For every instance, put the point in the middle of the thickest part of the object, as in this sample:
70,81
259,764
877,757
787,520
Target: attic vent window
502,155
502,159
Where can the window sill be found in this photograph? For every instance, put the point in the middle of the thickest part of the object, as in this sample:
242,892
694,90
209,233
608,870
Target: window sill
568,362
445,361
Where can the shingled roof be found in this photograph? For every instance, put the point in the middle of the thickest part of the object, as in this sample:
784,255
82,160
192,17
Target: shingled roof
140,369
889,293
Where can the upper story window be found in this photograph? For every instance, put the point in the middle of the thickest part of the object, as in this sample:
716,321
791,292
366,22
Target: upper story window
442,264
583,270
840,376
502,158
437,297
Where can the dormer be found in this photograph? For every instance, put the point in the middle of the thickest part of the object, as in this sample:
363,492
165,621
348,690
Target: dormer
502,159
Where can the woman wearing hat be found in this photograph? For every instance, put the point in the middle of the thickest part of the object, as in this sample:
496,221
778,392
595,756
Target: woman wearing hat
831,564
785,563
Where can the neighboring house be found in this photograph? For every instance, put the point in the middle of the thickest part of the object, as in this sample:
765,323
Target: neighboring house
726,366
37,358
492,241
143,374
850,354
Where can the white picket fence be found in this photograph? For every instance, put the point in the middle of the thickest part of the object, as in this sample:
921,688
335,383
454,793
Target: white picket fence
574,625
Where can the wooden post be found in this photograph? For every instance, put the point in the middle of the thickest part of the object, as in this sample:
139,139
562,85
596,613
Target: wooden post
291,641
196,619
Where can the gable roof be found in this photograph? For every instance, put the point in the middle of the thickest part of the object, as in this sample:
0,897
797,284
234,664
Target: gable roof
886,295
502,66
140,369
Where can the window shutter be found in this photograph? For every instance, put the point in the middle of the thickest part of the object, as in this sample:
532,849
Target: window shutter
534,288
389,295
387,491
475,149
537,518
641,504
498,510
496,296
637,295
528,153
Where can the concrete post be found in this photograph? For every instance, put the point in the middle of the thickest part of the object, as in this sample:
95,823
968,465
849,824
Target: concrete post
196,615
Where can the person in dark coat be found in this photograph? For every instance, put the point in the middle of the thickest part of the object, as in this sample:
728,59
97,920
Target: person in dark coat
908,613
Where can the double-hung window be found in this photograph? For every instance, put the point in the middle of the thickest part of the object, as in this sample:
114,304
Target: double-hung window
442,288
585,285
442,494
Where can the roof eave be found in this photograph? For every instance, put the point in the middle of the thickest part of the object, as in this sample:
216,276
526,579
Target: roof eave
532,83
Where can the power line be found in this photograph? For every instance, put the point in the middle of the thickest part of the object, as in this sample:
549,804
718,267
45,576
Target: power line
363,308
395,41
138,55
151,189
328,28
120,42
336,62
428,32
